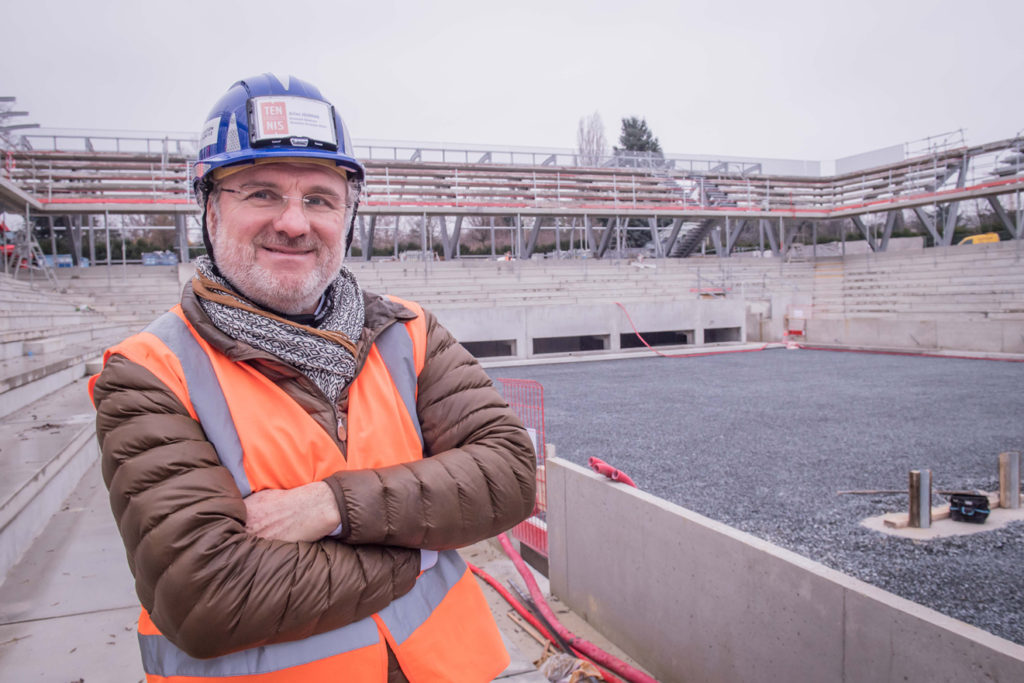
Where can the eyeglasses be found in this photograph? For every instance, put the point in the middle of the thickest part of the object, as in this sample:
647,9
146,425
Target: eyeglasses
265,201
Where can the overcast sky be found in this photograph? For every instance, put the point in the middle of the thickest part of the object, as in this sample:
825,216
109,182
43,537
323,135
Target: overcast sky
786,79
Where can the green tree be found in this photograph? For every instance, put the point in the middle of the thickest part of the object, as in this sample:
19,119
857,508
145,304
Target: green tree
637,137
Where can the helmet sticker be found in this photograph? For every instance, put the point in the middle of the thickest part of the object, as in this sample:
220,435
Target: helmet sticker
232,144
275,118
209,135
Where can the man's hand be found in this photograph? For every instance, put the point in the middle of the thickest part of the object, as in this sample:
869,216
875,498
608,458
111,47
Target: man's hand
306,513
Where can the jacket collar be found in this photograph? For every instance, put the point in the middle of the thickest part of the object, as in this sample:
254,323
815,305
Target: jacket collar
380,314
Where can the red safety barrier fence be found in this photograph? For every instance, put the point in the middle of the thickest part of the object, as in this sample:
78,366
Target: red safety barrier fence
526,398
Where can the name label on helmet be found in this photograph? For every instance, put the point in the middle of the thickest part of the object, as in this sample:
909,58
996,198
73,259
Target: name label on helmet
210,133
283,119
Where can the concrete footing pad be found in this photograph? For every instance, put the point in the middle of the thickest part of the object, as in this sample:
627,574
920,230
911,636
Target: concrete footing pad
942,528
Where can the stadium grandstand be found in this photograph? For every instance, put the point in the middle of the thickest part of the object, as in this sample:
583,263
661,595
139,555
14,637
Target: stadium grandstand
529,257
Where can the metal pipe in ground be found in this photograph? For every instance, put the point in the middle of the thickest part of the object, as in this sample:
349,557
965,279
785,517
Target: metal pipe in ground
1009,480
921,499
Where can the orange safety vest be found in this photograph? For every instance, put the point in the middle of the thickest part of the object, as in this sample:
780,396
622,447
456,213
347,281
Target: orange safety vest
442,630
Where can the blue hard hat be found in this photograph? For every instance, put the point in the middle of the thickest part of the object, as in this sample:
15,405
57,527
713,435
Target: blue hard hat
270,116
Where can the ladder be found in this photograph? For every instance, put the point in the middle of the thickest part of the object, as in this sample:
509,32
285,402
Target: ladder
28,256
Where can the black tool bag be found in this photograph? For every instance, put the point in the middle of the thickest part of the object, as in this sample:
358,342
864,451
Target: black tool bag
968,507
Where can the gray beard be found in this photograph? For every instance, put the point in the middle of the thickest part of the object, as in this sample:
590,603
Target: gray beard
327,364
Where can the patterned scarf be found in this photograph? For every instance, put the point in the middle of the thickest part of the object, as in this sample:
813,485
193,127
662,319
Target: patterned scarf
323,353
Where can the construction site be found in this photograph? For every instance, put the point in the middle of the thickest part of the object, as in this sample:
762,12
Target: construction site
785,370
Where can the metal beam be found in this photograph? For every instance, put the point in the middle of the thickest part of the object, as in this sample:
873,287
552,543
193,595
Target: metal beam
733,235
1004,218
791,237
457,235
588,228
773,243
953,208
606,238
716,239
859,223
446,244
673,235
180,227
655,239
531,242
368,239
892,218
928,222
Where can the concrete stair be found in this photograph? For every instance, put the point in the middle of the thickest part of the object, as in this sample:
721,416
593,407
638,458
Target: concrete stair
48,339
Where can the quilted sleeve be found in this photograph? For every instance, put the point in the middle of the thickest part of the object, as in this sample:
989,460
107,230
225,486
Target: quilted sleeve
478,479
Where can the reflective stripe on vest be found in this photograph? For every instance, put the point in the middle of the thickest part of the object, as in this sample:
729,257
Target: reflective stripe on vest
161,657
205,394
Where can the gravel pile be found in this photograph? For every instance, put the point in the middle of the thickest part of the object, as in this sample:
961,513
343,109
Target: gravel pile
763,441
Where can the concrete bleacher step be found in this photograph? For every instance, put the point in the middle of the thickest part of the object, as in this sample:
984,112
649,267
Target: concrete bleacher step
45,448
13,343
25,379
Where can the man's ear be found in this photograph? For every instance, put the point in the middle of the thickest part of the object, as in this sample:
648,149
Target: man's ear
211,216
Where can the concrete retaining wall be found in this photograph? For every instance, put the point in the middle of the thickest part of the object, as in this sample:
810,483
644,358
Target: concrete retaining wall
523,324
695,600
996,336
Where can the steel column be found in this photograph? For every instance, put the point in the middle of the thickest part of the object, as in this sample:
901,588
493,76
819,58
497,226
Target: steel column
716,238
859,224
181,227
673,235
929,223
1004,218
368,239
446,246
658,251
606,237
531,242
733,235
772,243
953,208
92,241
588,227
892,219
457,235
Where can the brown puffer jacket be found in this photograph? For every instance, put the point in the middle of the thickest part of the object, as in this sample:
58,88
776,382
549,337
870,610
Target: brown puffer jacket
213,588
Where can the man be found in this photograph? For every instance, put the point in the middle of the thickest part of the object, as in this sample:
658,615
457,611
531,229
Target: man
287,454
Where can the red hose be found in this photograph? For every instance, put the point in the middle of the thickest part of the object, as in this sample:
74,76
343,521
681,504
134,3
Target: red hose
601,467
599,656
511,599
526,614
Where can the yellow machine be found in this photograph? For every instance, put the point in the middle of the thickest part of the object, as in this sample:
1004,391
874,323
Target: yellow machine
983,238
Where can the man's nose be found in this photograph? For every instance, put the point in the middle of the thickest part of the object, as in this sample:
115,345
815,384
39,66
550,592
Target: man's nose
292,221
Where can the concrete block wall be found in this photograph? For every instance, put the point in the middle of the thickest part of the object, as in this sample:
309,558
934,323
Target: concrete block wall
694,600
523,324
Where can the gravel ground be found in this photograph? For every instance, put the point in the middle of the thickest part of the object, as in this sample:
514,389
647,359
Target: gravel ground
763,441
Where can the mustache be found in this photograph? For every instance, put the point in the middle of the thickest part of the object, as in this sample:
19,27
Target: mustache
301,243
